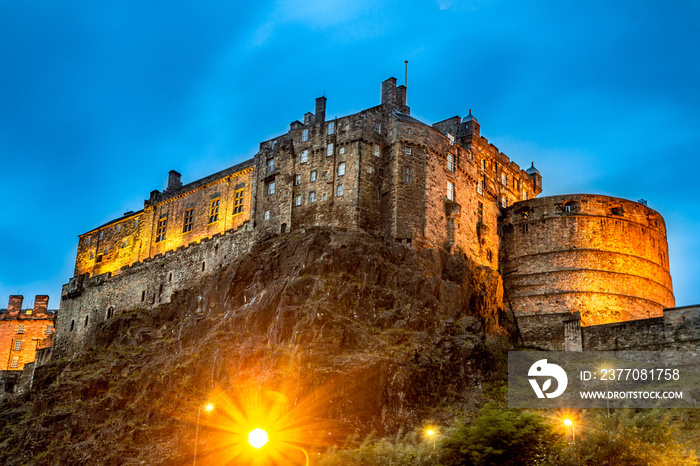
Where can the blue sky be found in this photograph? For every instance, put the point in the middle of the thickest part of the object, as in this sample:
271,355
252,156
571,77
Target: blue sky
99,100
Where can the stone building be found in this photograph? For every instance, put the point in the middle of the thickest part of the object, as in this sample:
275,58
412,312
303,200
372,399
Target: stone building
24,331
384,172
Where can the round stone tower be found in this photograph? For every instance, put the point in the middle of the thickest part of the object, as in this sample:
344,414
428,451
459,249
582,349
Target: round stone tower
602,256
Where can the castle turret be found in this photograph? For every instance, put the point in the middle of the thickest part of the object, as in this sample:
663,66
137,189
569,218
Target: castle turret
472,125
534,174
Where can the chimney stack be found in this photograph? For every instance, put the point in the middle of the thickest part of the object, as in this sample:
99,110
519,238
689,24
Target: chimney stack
321,109
41,302
389,93
15,305
173,181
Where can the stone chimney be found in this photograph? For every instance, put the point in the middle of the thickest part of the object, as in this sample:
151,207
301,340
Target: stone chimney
15,305
173,180
321,109
389,93
41,302
309,119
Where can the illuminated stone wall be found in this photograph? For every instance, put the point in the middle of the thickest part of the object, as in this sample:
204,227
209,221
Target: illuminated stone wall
87,301
134,237
603,256
22,331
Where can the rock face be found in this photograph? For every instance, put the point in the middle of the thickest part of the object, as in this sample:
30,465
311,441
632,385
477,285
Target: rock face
346,334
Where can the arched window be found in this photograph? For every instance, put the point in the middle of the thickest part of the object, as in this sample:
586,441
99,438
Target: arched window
110,313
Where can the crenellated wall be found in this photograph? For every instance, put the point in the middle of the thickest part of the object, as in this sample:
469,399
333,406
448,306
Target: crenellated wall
603,256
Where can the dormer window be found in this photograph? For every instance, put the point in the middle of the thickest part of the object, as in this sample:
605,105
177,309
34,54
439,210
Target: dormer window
305,135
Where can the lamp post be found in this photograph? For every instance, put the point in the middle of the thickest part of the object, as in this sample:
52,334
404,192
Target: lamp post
258,438
431,435
207,407
569,422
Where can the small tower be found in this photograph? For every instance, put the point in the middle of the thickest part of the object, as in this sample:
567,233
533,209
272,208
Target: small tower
536,178
472,125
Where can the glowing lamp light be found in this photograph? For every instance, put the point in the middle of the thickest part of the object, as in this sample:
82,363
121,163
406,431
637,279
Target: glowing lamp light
257,438
567,422
208,407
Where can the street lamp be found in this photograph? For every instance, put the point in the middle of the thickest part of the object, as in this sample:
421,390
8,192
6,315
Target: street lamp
258,438
207,407
569,422
431,435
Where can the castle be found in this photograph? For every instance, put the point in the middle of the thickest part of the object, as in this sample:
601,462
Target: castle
569,263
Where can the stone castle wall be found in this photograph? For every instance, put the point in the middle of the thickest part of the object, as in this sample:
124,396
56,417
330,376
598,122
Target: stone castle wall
87,300
604,256
677,329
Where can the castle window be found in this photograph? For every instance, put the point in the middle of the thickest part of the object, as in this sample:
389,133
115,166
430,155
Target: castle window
480,187
204,264
495,166
271,188
18,345
504,202
370,169
274,144
49,328
339,190
266,215
524,195
214,211
616,209
489,255
450,162
312,176
170,277
407,150
87,319
378,128
20,329
329,150
341,151
297,180
15,362
271,165
106,250
92,254
72,325
189,220
143,297
297,201
567,207
87,243
136,223
504,179
162,227
376,150
483,165
238,201
304,156
516,183
408,175
305,135
101,235
124,244
119,228
450,191
480,213
110,313
331,127
451,139
341,169
325,175
312,196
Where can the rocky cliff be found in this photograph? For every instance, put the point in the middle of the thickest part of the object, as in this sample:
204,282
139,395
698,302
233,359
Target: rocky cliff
318,335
